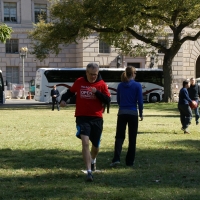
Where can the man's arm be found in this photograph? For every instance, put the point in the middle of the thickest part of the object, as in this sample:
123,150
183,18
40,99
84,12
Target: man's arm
67,95
102,97
118,94
58,93
140,102
198,90
187,95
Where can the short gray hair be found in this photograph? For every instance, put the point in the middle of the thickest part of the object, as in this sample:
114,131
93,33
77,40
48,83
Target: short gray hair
92,65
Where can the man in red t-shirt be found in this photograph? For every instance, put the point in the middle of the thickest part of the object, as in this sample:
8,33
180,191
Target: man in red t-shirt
91,93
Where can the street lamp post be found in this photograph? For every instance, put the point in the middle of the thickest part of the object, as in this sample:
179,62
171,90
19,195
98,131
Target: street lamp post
23,55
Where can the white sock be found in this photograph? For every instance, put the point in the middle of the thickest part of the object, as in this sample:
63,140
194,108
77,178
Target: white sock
89,171
93,161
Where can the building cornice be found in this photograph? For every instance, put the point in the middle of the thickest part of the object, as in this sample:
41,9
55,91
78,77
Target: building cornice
21,30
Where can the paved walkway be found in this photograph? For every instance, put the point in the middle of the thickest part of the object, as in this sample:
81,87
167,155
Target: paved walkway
23,102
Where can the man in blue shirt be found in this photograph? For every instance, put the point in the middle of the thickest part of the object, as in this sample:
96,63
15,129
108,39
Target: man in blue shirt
184,108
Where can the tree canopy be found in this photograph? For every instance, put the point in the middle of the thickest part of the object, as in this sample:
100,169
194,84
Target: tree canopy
5,32
118,22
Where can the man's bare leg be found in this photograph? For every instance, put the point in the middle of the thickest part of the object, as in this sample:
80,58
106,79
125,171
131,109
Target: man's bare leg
94,152
87,156
86,152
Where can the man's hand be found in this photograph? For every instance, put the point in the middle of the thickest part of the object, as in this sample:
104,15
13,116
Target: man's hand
63,104
92,89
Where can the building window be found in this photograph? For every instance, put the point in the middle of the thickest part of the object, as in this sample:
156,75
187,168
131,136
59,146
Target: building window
40,11
10,12
12,46
103,47
12,76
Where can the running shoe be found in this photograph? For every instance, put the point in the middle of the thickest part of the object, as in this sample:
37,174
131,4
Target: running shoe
89,177
114,164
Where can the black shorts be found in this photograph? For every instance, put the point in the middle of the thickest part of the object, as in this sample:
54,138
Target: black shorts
90,126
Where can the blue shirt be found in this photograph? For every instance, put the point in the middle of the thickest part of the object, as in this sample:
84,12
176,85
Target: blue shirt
184,97
129,95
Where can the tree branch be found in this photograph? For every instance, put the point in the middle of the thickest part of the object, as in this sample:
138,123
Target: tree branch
146,40
192,38
103,30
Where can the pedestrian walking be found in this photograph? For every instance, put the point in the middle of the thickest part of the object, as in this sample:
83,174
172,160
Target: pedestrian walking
184,108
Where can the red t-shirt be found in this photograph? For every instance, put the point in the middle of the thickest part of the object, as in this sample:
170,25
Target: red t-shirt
87,104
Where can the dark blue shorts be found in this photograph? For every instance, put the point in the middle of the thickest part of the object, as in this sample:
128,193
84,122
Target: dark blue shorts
91,127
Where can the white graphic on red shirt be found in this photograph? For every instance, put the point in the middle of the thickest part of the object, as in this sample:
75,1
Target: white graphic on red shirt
86,94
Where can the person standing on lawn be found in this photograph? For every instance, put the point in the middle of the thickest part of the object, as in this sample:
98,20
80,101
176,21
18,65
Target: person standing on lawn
184,108
91,93
129,95
194,94
55,94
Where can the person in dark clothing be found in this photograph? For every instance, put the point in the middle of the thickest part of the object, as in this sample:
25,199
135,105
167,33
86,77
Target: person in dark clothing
129,95
107,106
55,94
194,93
184,108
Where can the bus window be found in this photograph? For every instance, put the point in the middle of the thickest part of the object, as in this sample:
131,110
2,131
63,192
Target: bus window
38,86
111,76
54,76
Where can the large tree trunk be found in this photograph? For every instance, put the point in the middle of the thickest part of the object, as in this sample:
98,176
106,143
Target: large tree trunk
168,78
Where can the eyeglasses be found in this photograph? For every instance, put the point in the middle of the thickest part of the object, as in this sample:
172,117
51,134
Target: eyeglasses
92,74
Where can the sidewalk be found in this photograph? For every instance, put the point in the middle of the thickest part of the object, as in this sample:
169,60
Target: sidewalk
23,102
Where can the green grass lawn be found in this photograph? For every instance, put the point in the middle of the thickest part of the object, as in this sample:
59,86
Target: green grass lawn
40,157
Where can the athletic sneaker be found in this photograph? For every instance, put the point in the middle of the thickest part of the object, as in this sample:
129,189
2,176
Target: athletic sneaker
114,164
89,177
186,131
93,166
183,129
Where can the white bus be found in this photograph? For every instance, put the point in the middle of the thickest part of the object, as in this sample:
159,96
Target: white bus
150,79
2,94
198,81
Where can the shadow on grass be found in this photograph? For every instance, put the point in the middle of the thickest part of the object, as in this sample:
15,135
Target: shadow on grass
48,174
187,143
40,158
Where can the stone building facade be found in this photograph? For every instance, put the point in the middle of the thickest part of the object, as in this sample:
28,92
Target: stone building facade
21,14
